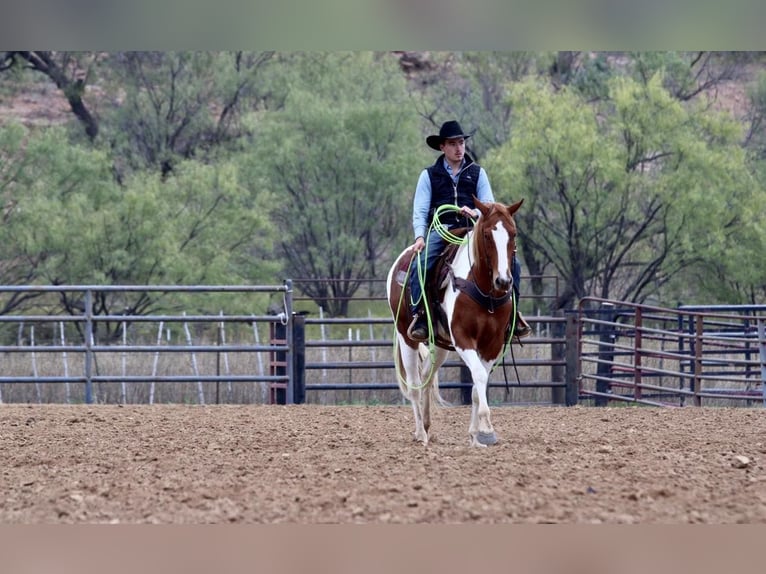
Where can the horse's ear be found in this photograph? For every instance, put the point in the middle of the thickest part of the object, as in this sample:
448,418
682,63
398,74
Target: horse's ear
483,207
513,208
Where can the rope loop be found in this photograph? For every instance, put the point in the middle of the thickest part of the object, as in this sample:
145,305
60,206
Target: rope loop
449,237
443,230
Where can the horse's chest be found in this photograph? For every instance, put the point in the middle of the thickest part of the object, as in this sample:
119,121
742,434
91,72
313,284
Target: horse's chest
474,327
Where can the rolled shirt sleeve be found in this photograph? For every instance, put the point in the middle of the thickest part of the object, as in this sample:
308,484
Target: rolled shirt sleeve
483,188
421,205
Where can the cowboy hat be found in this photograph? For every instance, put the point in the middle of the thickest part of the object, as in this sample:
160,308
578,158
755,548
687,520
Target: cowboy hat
449,130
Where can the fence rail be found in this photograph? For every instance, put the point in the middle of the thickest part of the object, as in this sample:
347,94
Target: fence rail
659,356
87,351
601,353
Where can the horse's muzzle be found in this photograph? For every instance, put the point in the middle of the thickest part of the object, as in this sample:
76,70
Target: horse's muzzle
503,284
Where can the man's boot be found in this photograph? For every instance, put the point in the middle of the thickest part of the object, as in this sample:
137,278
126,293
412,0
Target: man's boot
418,330
522,328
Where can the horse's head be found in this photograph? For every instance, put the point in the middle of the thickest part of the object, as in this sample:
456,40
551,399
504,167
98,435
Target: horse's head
495,244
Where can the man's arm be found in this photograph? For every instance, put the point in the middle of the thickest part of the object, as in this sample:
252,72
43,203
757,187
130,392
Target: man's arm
483,188
421,205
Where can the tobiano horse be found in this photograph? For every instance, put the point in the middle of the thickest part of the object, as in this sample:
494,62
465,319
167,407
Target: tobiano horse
474,309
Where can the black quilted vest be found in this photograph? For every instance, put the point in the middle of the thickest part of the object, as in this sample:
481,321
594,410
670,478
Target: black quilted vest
444,192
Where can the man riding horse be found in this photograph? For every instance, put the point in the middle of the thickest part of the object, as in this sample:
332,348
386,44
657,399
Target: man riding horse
452,180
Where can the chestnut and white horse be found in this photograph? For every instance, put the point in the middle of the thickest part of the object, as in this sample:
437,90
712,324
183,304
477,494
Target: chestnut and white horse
473,316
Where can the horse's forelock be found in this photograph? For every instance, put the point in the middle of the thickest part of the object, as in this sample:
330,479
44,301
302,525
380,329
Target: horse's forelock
500,213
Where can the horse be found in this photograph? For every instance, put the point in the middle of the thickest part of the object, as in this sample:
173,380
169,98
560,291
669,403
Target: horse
473,317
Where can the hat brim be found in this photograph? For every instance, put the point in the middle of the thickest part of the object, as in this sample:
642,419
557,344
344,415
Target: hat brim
434,142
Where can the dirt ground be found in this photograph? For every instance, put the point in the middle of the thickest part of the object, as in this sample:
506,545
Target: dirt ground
355,464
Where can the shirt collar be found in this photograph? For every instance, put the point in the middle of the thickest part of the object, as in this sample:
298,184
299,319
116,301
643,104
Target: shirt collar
448,167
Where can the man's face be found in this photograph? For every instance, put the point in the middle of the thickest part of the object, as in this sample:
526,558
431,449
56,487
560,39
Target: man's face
454,149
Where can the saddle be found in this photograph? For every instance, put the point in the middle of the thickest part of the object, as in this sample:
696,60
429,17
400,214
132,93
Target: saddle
436,285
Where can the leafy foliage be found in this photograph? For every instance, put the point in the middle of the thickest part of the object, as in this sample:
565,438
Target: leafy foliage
618,194
340,171
68,222
217,167
181,105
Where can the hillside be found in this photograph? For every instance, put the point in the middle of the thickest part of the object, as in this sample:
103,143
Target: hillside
38,102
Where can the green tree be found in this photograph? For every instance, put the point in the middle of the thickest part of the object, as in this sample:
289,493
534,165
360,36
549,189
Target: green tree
732,273
71,72
38,172
688,75
341,160
182,105
68,222
618,195
156,108
472,88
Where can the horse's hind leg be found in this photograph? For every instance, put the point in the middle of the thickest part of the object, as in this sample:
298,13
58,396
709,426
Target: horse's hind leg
429,372
411,387
421,428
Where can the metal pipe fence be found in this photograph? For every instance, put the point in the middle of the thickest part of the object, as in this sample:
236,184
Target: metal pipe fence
87,349
602,352
299,360
542,354
671,357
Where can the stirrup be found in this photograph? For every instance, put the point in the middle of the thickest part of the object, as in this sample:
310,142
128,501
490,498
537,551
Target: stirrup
418,329
522,329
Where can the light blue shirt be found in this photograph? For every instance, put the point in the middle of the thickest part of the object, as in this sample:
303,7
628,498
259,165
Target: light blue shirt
422,202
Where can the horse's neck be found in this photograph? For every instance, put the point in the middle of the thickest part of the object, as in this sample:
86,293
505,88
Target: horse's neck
468,259
461,265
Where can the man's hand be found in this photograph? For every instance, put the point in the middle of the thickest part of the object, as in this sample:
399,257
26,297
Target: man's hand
419,244
468,212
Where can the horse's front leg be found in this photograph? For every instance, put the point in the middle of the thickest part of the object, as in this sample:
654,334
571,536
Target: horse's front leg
480,430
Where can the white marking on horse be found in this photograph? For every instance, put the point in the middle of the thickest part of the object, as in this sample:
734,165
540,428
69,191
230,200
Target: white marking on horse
475,332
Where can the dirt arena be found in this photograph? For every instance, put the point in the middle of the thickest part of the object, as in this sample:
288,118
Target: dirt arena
355,464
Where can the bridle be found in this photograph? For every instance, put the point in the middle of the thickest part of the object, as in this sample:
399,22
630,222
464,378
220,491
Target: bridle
487,300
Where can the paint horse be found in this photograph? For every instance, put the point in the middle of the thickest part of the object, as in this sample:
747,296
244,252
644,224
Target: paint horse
473,313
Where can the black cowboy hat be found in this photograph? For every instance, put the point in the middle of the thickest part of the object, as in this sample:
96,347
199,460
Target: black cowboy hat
449,130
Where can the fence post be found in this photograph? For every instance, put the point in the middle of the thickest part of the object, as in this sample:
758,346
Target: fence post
762,347
282,362
289,356
88,346
299,358
466,381
572,335
637,352
277,363
558,352
697,379
605,353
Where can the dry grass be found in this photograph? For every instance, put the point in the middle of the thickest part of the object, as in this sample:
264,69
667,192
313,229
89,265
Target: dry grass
36,362
664,367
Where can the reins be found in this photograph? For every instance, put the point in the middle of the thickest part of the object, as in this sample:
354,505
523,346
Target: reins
506,345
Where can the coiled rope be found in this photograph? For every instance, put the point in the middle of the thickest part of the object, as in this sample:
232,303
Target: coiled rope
448,236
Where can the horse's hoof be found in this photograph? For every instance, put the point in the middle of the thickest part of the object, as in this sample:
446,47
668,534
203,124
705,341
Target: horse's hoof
486,438
421,439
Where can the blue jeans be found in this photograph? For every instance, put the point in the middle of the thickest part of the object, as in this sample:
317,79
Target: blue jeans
428,258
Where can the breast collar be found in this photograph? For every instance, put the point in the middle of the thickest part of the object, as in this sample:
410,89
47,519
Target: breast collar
487,301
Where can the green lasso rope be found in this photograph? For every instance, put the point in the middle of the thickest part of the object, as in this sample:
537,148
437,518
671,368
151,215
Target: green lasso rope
448,236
